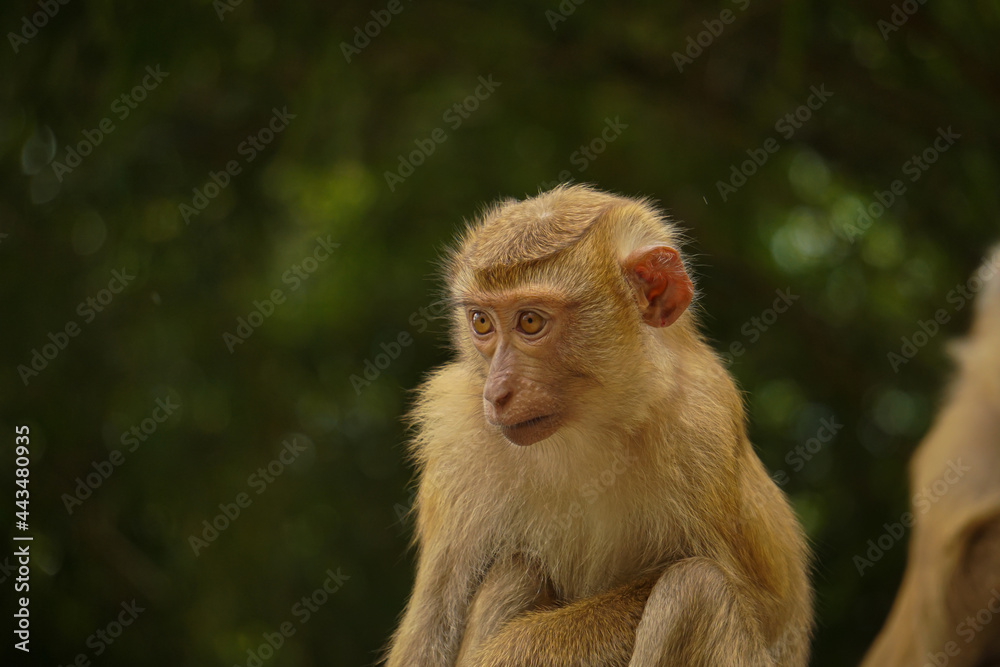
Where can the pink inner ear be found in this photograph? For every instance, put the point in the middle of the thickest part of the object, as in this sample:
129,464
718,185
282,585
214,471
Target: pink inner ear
663,286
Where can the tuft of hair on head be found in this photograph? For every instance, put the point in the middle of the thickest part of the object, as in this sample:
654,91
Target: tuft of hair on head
510,237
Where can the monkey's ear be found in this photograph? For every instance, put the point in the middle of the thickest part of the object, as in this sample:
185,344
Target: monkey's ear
663,287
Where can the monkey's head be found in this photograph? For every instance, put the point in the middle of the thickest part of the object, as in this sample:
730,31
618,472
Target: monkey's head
562,301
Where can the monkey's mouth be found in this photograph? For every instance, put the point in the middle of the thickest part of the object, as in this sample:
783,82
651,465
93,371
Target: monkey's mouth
531,430
529,422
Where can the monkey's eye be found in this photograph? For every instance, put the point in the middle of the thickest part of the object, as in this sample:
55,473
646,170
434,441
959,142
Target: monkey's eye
530,322
481,323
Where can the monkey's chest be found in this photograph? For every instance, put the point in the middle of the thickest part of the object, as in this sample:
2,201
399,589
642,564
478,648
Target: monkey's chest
586,547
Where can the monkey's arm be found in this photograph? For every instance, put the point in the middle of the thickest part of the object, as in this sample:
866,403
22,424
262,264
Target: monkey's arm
448,568
689,616
598,631
510,588
695,617
429,633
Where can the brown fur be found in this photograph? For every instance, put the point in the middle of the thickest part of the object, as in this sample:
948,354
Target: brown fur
689,530
953,571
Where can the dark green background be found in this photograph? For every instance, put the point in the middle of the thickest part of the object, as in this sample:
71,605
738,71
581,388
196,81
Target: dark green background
338,505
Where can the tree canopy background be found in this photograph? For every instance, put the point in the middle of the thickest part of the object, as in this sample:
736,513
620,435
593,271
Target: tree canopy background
684,93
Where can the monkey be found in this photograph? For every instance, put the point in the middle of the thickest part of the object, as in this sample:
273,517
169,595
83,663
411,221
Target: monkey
587,491
951,587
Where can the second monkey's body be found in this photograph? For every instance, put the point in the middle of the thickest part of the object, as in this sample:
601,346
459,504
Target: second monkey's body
588,494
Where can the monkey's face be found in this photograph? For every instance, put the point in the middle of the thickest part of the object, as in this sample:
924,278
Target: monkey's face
527,379
563,354
555,297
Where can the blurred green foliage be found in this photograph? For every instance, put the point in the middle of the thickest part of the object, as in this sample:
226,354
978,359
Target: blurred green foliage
338,505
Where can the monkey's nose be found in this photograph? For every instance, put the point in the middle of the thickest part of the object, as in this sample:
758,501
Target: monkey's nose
498,394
